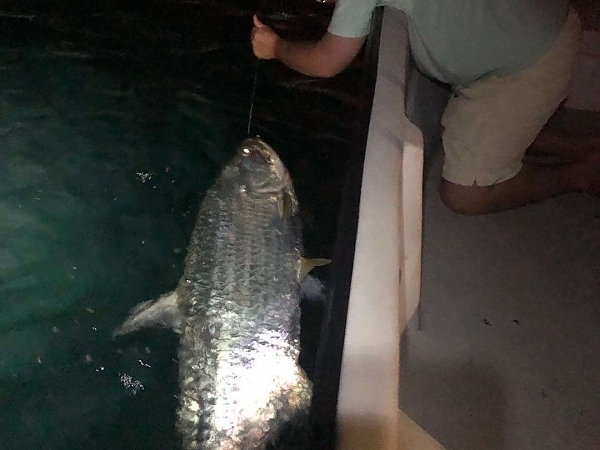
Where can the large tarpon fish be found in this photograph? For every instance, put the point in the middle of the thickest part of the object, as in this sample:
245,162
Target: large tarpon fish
237,309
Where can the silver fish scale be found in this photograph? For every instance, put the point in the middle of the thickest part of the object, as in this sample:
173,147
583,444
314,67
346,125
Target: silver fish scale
239,348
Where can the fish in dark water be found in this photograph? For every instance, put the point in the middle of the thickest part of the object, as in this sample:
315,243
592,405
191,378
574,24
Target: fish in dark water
237,309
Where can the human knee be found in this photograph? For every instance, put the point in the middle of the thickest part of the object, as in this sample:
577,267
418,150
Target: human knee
464,200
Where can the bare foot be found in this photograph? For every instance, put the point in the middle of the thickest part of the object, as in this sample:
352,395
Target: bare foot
584,176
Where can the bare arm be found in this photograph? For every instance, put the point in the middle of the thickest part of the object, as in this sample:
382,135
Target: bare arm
324,58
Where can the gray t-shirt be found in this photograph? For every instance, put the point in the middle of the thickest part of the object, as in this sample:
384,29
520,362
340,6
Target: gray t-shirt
461,41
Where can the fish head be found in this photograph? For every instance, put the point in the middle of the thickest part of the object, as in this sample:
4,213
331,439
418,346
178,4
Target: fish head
257,172
261,166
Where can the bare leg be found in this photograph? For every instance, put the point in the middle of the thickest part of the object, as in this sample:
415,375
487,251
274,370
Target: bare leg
573,166
531,184
563,145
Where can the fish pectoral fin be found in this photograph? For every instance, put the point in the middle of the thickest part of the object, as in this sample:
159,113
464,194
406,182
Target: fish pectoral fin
306,265
163,312
285,205
311,287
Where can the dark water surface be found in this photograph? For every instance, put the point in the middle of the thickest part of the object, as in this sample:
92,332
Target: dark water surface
114,119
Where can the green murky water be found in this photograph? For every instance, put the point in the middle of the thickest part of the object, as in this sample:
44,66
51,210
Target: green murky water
114,119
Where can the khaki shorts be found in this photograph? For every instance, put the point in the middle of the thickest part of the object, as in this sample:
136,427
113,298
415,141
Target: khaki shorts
489,125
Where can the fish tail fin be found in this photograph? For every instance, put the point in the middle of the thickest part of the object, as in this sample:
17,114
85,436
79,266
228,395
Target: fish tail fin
163,312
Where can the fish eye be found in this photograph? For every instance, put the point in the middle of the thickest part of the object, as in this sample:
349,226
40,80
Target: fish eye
246,151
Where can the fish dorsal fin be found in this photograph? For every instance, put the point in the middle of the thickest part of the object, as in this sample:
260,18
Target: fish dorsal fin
306,265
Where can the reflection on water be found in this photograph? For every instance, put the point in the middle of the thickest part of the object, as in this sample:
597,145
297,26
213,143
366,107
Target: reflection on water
114,118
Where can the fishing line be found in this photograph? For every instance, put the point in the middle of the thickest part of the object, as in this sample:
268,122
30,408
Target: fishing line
253,96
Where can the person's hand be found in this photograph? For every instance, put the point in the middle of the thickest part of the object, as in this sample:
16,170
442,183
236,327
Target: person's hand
264,40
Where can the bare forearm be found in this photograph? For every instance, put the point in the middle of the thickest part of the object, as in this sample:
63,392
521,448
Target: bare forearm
306,58
324,58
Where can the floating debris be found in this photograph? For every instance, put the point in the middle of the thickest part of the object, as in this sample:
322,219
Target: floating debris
144,176
131,386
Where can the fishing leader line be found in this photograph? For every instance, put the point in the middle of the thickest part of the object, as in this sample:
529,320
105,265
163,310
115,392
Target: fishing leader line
253,96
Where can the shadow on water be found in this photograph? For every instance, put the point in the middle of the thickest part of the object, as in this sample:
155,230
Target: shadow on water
115,117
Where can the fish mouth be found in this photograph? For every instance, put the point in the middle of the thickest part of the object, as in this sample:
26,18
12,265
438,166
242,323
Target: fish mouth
256,144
